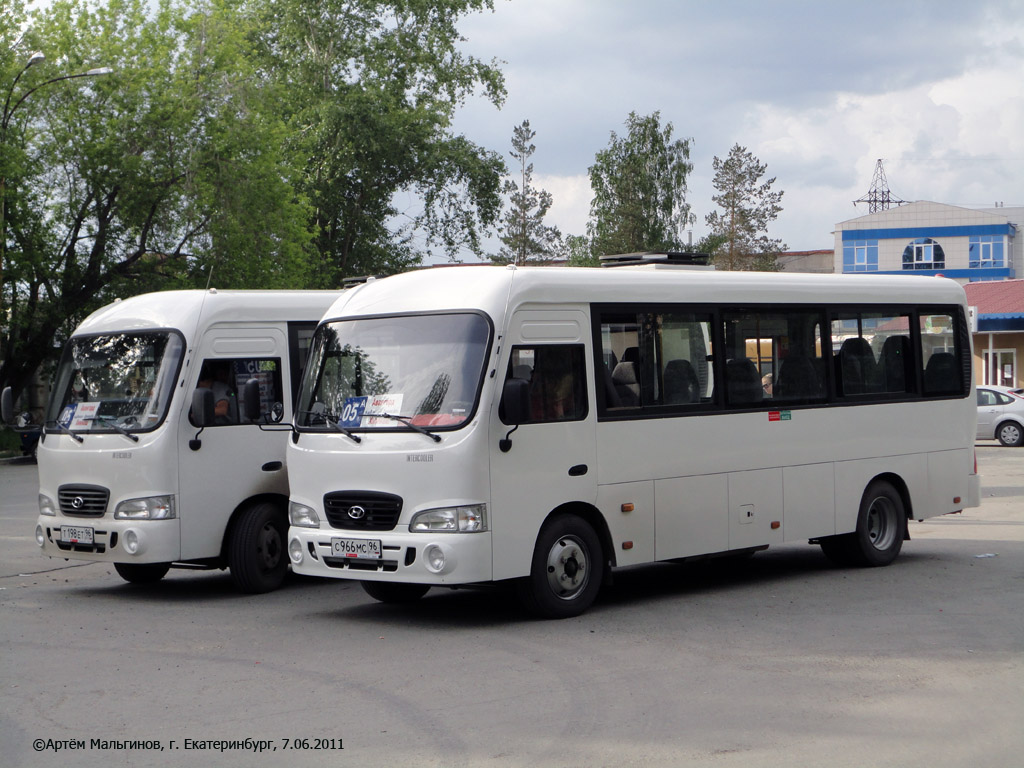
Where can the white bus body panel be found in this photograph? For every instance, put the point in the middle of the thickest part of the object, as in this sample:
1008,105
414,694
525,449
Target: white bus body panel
208,484
664,487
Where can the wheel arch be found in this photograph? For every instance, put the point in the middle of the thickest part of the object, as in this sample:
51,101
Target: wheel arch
902,489
1005,419
274,498
593,517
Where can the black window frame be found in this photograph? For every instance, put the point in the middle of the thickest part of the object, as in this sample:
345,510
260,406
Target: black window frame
832,397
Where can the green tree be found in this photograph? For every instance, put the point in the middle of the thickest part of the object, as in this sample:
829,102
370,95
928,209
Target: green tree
639,184
576,252
369,91
524,235
146,177
747,205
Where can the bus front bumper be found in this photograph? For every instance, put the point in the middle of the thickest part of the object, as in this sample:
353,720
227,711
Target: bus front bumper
418,558
109,541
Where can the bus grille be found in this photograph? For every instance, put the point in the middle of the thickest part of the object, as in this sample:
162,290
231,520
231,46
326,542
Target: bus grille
83,500
362,510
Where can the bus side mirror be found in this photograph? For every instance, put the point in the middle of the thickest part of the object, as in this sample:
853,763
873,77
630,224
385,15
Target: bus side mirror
6,406
251,400
203,407
515,408
515,401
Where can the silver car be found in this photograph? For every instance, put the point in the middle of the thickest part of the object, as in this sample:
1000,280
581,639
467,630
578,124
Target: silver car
1000,415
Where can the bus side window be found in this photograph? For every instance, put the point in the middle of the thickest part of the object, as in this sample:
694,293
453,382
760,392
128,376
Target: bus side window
942,374
227,376
556,375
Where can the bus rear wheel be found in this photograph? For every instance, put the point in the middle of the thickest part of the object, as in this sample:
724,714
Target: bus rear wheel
881,528
142,573
566,571
386,592
256,549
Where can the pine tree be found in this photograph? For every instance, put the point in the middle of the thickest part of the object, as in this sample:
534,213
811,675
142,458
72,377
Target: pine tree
525,237
747,208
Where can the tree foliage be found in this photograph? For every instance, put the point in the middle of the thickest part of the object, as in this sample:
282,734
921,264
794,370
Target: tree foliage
524,236
639,184
263,140
747,205
369,91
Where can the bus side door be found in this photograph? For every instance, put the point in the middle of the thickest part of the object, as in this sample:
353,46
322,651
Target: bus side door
552,458
235,460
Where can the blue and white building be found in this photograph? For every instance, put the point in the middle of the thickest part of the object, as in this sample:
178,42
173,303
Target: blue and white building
924,238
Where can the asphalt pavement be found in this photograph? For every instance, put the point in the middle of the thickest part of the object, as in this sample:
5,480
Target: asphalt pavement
780,660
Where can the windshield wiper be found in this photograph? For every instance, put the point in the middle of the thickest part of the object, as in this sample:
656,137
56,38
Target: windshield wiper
408,422
337,426
109,421
67,430
330,421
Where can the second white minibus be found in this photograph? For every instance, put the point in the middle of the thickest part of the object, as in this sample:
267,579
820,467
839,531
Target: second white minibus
547,425
131,473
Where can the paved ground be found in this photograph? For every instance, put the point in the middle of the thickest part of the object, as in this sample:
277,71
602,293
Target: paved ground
779,661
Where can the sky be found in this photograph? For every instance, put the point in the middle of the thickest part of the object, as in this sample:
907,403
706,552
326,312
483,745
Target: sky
817,91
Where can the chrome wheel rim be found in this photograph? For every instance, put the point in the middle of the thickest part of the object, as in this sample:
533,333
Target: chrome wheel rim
1010,434
568,568
882,523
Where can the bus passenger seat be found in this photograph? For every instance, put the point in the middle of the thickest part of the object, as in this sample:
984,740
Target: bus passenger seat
742,381
797,379
940,374
626,384
681,384
893,361
857,366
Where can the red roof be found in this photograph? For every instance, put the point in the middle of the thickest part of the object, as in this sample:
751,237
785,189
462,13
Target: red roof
998,297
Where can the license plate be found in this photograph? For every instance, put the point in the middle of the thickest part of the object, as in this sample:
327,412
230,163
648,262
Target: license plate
74,534
360,549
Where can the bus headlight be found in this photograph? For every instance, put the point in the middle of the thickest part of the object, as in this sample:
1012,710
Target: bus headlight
295,551
302,516
468,519
46,506
40,536
151,508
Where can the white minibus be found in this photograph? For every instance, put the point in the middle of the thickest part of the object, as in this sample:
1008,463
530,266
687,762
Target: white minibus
469,425
131,473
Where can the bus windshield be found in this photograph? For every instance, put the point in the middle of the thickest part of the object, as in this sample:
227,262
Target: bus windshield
426,370
115,382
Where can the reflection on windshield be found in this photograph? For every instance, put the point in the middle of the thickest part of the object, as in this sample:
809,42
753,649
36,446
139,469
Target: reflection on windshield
115,382
425,369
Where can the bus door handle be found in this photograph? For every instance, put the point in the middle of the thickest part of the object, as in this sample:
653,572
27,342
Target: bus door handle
578,470
272,466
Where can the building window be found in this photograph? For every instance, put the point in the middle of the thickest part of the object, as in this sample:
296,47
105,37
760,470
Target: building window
986,251
860,256
924,253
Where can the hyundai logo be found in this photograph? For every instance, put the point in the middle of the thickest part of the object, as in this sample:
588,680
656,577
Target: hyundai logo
78,502
356,513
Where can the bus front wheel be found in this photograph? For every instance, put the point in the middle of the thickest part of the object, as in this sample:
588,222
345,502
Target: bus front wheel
566,571
142,573
881,528
256,549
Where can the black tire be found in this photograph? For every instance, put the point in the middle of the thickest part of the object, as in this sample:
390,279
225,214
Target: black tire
566,570
387,592
257,553
881,528
1010,434
142,573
